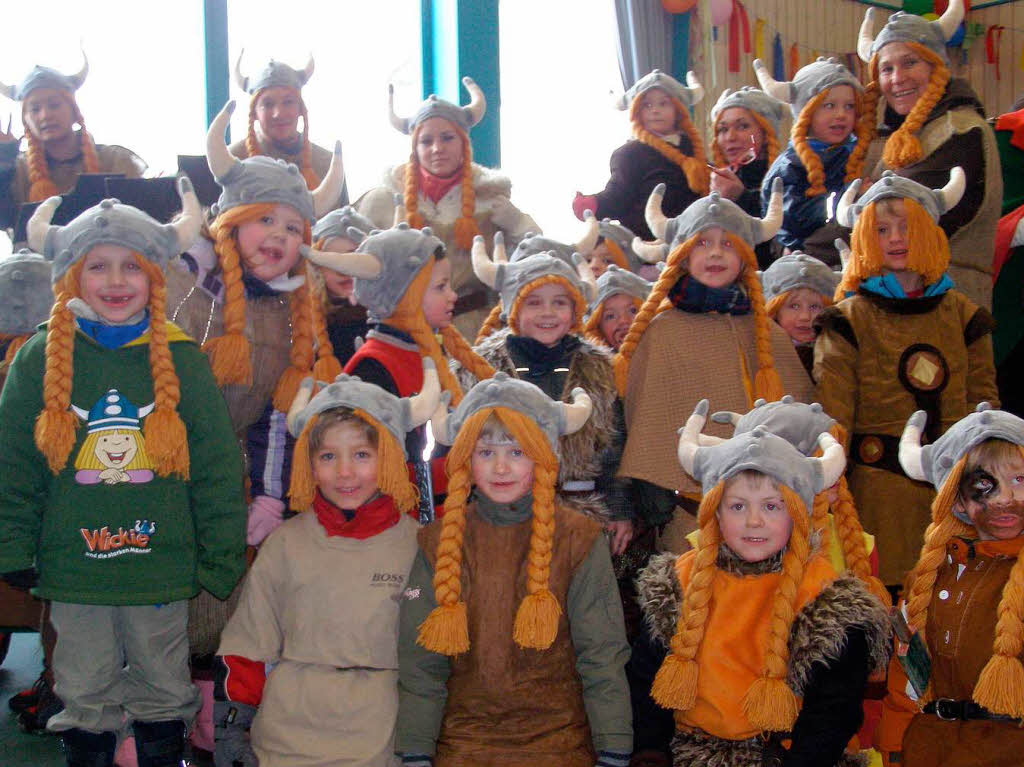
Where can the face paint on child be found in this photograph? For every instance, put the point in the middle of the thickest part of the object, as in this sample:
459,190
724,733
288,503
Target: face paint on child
546,313
338,285
113,283
714,260
993,499
269,245
617,313
796,315
439,298
753,518
835,118
345,466
657,112
501,470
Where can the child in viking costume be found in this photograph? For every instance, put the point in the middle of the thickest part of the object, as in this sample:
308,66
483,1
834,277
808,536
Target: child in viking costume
933,121
543,302
332,693
127,518
832,128
666,148
764,642
963,600
745,142
901,340
715,304
511,644
620,294
614,246
275,107
56,153
797,287
441,187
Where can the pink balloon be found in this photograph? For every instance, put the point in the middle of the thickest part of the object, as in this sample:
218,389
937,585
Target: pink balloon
721,10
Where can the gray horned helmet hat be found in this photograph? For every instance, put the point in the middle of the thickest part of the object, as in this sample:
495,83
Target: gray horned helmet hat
707,212
933,463
510,279
935,201
26,294
555,419
264,179
531,243
274,75
463,117
45,77
798,270
910,28
399,415
798,423
753,99
111,222
689,94
758,450
809,81
614,233
616,281
340,223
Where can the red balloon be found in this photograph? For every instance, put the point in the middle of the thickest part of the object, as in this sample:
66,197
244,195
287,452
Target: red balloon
942,5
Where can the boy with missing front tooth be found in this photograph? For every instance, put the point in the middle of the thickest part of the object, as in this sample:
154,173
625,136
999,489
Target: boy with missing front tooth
901,339
511,643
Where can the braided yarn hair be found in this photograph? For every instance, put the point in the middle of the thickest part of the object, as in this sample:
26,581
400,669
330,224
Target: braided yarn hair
927,246
41,186
164,431
903,147
766,383
769,703
392,473
491,324
864,129
465,226
1000,686
327,366
446,629
253,147
698,175
771,141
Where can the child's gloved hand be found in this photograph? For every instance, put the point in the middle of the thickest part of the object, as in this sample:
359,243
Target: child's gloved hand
582,203
22,580
231,734
265,515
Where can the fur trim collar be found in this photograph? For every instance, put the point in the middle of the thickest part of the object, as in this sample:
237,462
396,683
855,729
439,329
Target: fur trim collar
486,181
699,747
660,596
729,562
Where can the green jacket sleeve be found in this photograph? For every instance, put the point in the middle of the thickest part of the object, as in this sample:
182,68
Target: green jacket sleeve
422,675
24,475
599,638
215,474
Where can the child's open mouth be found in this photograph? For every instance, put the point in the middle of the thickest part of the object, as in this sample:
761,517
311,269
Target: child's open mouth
116,457
116,300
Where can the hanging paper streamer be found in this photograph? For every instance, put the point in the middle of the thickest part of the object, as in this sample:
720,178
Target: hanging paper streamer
737,21
778,66
708,30
759,39
852,64
794,61
992,38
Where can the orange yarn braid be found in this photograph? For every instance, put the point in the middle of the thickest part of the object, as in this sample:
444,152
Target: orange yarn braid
166,437
253,147
410,190
491,324
771,141
903,147
808,157
12,348
767,383
928,248
458,348
392,473
675,684
578,301
819,518
300,354
1000,686
769,703
40,184
851,540
327,366
56,424
867,111
698,175
536,624
465,226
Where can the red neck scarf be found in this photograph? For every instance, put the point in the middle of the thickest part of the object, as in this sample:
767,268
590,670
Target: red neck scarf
435,187
368,520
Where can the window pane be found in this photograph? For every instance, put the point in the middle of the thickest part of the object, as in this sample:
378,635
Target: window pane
558,127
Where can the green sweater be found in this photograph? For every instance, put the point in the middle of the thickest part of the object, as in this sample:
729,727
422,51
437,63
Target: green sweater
125,536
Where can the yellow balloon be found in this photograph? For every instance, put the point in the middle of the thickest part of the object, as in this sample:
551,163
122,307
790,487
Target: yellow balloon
930,16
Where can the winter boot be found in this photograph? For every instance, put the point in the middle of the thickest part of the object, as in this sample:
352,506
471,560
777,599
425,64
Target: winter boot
89,749
160,744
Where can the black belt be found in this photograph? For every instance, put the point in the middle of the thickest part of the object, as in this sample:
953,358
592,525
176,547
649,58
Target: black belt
953,710
479,299
879,451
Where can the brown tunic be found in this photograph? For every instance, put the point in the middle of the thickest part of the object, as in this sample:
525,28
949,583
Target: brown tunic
506,705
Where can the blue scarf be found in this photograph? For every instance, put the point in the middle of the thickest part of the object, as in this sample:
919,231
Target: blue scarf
113,336
695,297
888,286
820,147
